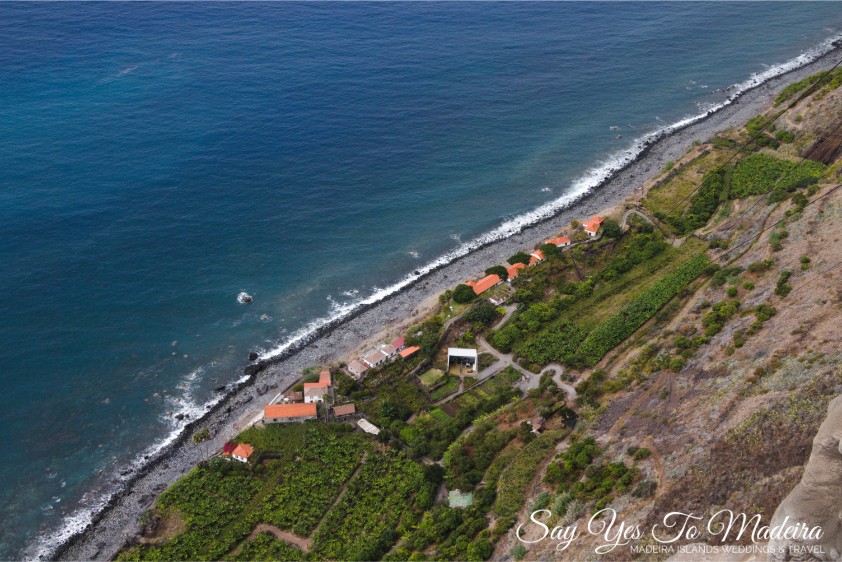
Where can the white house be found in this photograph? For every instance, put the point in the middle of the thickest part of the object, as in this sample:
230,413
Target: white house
375,358
357,368
387,350
592,225
462,356
314,392
242,452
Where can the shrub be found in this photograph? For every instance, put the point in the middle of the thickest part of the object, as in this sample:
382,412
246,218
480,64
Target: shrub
463,294
520,257
732,292
499,271
783,288
611,228
201,435
483,313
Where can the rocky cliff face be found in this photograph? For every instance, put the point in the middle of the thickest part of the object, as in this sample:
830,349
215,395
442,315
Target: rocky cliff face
817,500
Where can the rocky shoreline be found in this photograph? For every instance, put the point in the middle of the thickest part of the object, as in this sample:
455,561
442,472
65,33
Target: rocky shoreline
117,522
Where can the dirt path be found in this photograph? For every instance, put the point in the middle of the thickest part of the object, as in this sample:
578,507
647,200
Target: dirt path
301,542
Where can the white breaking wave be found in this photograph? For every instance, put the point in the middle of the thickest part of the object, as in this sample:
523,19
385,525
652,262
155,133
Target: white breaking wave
76,522
580,187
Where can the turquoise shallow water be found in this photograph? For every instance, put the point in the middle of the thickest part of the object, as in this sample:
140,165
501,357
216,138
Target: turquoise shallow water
157,159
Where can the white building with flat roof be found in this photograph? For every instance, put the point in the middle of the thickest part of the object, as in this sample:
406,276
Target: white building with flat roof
462,356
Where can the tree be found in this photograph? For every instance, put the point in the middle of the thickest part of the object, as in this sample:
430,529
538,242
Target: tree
611,228
574,224
481,313
520,257
463,294
499,271
549,250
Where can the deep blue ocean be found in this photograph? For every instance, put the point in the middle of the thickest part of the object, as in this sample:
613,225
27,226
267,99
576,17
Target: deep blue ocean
156,159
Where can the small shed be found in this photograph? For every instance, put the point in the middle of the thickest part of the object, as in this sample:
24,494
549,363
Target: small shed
344,410
368,427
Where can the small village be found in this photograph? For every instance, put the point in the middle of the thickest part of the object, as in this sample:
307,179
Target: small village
316,400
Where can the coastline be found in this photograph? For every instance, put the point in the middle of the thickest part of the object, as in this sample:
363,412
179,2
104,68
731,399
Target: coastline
116,521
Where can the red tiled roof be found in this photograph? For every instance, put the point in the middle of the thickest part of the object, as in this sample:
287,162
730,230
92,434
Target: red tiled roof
228,448
324,378
243,450
289,410
409,351
560,241
514,270
535,257
484,284
592,224
344,410
399,342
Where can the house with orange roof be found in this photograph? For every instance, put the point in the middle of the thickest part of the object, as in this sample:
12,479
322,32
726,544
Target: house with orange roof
536,257
559,242
344,410
409,351
484,284
285,413
592,225
242,452
514,269
324,378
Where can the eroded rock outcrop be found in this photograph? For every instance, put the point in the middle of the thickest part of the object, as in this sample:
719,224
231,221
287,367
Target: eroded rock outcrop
817,499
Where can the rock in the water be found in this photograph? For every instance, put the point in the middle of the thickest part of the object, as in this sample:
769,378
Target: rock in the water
219,388
815,501
244,298
253,355
179,417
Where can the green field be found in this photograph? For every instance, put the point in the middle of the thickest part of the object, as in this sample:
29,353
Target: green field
431,377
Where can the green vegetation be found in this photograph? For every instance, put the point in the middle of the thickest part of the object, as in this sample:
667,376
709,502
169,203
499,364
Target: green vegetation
266,547
576,473
362,525
448,387
828,82
311,483
463,294
705,202
431,377
520,257
720,313
515,479
499,271
620,326
201,435
482,313
783,288
431,435
760,173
